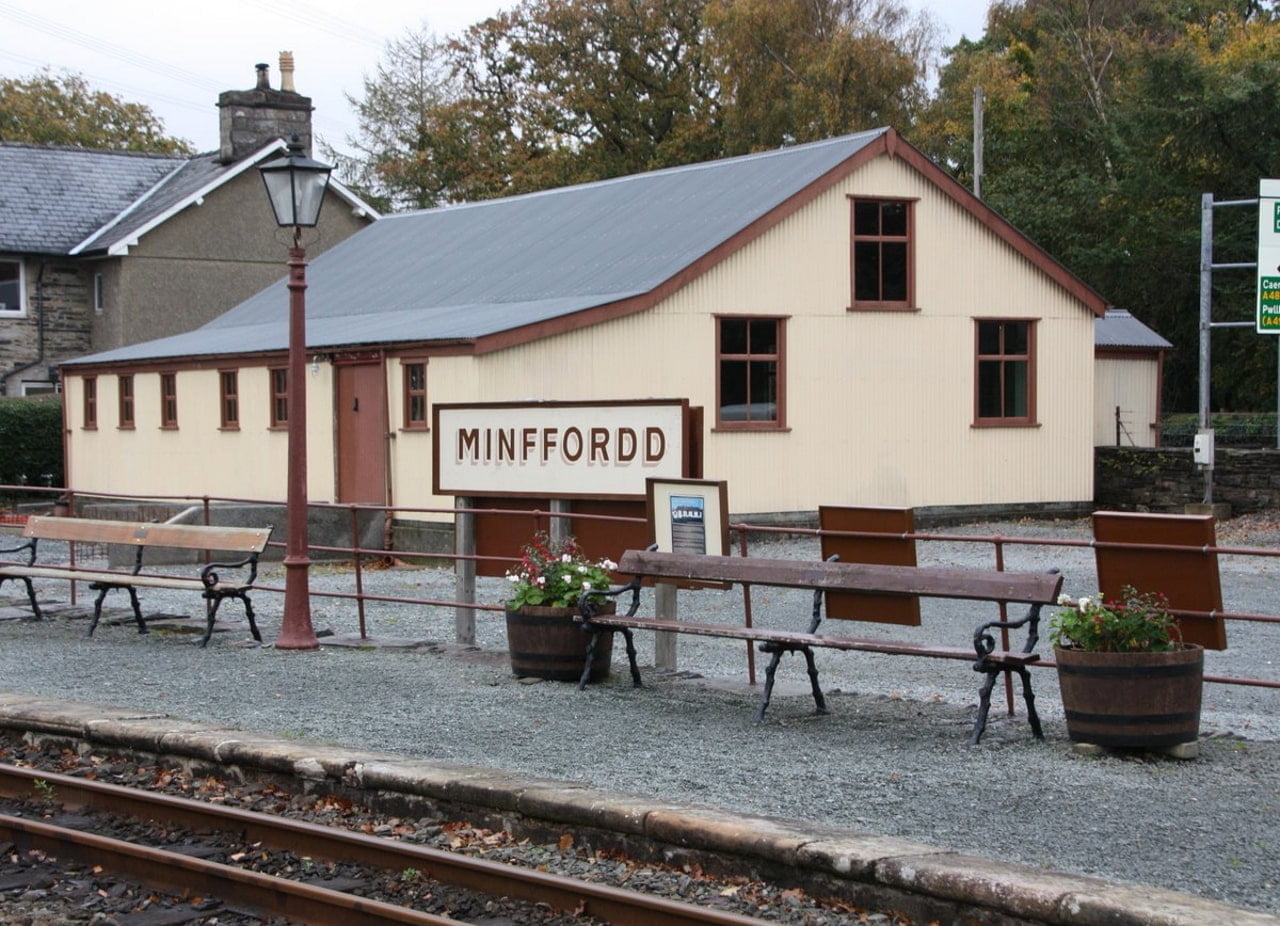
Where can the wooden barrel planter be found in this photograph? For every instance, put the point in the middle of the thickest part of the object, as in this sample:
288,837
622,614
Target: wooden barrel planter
548,643
1132,699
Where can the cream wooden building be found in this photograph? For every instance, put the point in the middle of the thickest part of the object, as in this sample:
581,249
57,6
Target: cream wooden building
858,328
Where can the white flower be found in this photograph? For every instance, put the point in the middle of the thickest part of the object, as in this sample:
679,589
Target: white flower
1084,604
608,564
542,580
582,569
1064,599
566,558
513,578
586,586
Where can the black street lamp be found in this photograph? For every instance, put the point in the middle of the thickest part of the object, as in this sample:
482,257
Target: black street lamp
296,186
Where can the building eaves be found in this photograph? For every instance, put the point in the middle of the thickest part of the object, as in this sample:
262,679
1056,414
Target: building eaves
1118,329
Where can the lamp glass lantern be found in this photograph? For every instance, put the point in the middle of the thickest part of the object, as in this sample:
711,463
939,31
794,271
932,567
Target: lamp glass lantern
296,185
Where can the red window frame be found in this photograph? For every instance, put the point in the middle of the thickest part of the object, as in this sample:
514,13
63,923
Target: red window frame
882,253
169,401
229,399
750,372
1004,372
124,397
279,396
91,403
414,379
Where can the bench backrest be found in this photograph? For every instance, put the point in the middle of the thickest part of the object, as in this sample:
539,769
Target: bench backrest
139,533
929,581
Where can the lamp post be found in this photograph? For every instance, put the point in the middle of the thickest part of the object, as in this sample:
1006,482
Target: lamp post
296,185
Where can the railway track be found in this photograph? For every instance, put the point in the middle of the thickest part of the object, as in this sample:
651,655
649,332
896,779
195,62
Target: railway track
235,834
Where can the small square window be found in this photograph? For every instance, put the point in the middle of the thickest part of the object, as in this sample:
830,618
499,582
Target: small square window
124,385
229,399
169,400
90,402
279,397
415,395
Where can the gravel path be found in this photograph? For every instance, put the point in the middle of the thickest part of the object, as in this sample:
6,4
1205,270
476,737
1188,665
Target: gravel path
891,758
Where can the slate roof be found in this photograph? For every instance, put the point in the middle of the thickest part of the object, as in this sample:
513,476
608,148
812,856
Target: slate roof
1119,329
466,272
81,190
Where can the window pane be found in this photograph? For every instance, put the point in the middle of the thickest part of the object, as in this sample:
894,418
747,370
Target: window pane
866,218
763,405
1015,337
733,390
733,335
1015,389
894,272
417,373
989,403
866,271
894,219
988,338
764,336
10,297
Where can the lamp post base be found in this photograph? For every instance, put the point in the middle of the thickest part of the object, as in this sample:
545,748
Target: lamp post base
296,631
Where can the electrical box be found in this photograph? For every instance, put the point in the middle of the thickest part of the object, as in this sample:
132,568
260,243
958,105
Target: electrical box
1202,448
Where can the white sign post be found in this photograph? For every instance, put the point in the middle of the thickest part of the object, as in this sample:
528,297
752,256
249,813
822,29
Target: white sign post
1268,319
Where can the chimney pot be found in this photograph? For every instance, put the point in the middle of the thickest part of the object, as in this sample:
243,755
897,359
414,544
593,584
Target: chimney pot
286,72
263,83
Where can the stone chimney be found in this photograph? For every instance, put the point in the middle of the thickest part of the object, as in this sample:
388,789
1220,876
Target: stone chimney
250,119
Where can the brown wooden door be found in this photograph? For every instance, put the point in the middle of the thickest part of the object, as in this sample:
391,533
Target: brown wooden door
362,427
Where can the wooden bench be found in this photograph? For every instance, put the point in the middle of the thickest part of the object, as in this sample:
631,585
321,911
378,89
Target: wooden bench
1033,589
211,584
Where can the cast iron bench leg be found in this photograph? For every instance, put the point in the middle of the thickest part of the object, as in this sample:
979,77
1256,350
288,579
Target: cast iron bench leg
819,701
248,613
984,701
769,673
31,595
210,615
984,704
631,656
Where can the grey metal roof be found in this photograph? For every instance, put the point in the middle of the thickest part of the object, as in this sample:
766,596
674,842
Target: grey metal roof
466,271
52,198
1118,328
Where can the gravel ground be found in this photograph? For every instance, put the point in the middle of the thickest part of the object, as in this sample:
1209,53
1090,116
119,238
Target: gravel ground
890,758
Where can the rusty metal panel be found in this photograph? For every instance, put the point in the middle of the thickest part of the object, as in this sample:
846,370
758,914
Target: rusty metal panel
1180,566
885,551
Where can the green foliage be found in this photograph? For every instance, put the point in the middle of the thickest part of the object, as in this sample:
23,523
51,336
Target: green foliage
1137,623
556,575
555,92
31,441
1104,125
65,110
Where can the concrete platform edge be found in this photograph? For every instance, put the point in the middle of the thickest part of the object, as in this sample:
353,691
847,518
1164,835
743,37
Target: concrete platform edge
900,867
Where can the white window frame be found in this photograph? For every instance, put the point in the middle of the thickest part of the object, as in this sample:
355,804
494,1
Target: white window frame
99,297
20,310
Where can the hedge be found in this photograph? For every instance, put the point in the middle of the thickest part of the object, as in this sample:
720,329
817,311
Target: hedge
31,441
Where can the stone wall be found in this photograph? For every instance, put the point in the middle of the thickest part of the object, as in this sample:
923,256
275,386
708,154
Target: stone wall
1166,480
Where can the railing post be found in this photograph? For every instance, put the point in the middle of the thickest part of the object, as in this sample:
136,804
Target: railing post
665,607
561,528
464,572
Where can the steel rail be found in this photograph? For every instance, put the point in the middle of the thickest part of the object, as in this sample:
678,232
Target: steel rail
605,902
265,894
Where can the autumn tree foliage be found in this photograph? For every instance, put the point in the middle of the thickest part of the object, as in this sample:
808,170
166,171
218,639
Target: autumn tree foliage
553,92
64,110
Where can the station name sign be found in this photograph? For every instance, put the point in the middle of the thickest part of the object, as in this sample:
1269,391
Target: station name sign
558,449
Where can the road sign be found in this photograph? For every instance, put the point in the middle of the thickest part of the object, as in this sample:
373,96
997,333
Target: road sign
1268,318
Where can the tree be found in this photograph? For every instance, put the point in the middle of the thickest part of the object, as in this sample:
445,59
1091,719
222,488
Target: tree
49,110
1105,122
405,149
554,92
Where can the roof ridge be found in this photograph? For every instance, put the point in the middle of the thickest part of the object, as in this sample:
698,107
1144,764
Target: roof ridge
648,174
77,149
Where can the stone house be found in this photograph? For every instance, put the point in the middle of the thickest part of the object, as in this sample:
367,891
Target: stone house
99,249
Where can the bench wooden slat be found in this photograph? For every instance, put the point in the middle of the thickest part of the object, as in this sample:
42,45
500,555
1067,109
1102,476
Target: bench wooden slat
769,635
929,581
140,533
112,578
